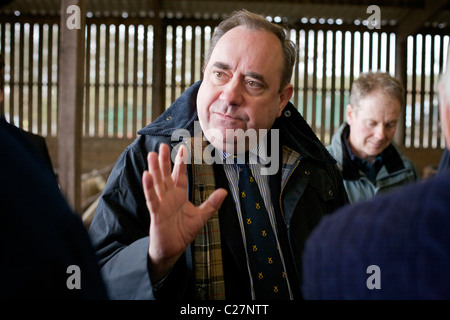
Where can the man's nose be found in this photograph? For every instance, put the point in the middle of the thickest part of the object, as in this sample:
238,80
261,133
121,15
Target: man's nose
232,93
380,132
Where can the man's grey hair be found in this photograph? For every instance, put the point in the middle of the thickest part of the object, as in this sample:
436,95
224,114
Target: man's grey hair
373,81
255,21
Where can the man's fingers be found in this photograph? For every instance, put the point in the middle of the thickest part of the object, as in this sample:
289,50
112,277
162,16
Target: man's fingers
155,172
165,166
151,197
179,170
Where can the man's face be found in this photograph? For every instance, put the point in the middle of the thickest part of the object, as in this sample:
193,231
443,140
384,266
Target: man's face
241,86
372,124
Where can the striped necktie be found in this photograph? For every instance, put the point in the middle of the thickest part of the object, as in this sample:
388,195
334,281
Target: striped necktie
268,274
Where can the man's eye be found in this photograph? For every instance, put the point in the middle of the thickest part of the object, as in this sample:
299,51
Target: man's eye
254,84
218,74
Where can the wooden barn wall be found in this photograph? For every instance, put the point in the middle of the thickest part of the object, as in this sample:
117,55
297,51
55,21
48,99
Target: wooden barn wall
119,84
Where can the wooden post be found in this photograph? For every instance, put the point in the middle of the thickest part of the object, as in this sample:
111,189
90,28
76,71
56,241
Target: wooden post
159,65
70,99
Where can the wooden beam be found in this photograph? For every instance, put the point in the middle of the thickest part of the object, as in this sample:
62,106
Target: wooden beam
70,102
417,17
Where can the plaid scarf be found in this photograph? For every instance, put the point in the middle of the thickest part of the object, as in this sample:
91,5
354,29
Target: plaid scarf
208,264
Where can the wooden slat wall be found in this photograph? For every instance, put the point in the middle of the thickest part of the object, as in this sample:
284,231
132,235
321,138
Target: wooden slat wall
119,68
424,66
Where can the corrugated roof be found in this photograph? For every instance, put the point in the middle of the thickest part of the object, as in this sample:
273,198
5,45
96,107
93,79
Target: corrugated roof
292,11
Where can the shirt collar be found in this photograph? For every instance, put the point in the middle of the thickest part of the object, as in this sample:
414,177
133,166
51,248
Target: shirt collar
253,155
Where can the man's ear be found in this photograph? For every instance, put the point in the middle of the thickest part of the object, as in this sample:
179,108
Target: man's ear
285,96
349,113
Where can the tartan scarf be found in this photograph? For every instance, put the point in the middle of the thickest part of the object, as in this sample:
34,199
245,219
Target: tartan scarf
208,264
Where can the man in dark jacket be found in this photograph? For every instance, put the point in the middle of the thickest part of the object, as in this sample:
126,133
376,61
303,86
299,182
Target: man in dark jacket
179,233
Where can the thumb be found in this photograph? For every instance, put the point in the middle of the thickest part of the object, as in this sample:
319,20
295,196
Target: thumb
213,203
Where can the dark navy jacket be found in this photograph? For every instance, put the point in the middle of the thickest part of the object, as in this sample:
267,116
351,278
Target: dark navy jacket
40,236
120,227
398,241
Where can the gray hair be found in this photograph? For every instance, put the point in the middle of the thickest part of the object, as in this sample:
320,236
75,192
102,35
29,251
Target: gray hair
255,21
372,81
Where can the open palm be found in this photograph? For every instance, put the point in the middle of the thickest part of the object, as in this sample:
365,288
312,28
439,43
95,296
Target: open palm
174,220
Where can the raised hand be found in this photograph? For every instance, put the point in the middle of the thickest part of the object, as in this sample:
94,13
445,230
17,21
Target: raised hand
174,220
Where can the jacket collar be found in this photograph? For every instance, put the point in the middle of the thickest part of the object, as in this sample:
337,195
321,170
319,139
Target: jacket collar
180,115
350,171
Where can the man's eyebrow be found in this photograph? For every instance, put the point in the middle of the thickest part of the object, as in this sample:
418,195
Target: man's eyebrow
255,75
221,65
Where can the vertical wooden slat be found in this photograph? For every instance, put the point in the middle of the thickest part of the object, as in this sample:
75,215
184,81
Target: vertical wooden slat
305,77
370,51
202,50
193,57
352,59
314,84
342,85
183,59
125,82
174,63
296,70
30,77
144,76
413,93
87,81
135,83
324,88
107,83
361,52
422,94
12,60
97,81
388,52
21,76
333,81
49,79
116,76
39,82
441,66
431,96
379,51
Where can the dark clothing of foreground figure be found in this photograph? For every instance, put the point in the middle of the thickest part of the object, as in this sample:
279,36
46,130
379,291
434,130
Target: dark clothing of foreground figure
41,237
394,246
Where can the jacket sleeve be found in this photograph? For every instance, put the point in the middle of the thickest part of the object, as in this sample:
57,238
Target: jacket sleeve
119,230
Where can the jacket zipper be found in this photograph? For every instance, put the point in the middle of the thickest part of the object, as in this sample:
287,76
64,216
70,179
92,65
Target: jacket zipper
282,189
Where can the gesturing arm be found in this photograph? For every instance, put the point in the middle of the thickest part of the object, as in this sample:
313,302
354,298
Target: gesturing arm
174,220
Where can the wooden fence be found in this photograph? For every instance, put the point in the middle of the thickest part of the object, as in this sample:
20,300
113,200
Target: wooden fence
119,70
